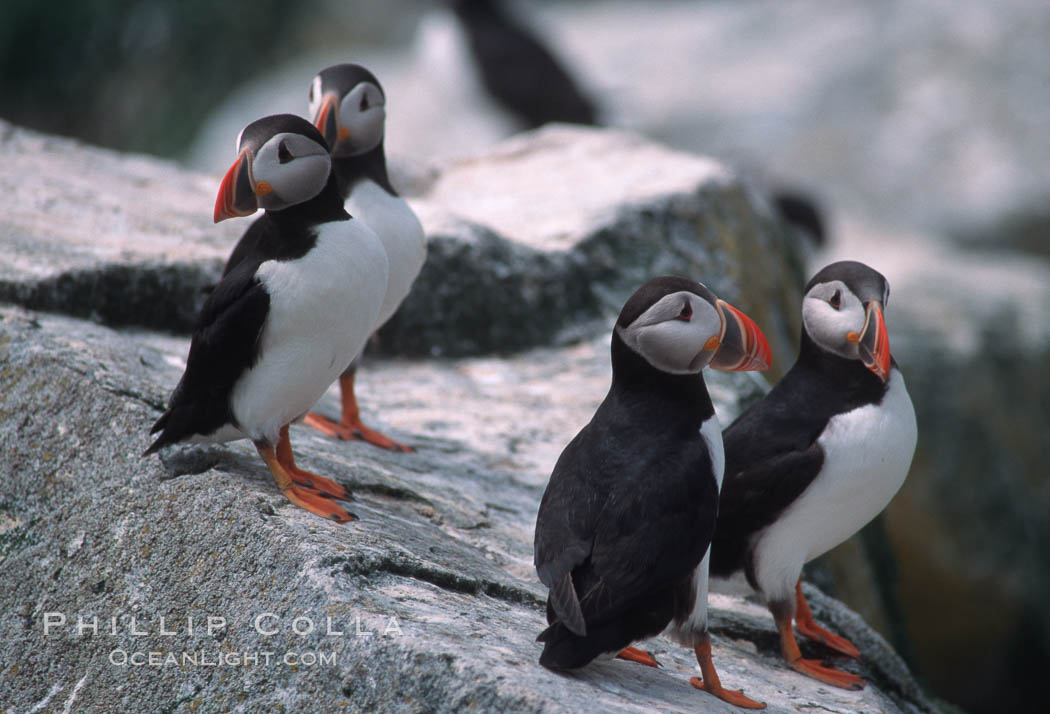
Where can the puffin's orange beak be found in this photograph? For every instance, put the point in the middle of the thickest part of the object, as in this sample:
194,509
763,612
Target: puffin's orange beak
874,343
742,345
236,194
327,119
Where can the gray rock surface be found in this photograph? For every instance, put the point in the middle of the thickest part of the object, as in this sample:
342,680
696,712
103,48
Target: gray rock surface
559,226
125,240
437,569
431,592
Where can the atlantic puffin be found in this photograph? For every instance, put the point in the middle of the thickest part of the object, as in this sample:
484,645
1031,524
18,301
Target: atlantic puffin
818,457
623,529
267,343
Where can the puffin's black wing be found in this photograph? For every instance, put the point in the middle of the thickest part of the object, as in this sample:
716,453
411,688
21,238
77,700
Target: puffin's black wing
753,498
225,343
518,71
565,529
772,456
618,521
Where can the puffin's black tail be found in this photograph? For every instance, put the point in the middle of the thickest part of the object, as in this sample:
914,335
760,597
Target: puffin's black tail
564,650
646,617
165,437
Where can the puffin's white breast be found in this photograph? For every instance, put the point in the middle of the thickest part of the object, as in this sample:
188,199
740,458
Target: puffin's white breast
711,431
401,234
867,454
323,307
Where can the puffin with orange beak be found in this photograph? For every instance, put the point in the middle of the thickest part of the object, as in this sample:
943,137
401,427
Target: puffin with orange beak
817,458
624,526
348,106
267,345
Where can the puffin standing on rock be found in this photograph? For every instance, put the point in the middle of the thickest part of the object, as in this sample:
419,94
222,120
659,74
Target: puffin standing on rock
348,106
818,457
267,343
624,525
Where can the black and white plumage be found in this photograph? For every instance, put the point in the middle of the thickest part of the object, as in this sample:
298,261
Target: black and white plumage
266,345
819,457
630,508
348,105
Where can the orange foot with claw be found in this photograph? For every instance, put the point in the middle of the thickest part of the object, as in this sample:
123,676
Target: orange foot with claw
633,654
304,489
350,427
710,682
808,626
811,667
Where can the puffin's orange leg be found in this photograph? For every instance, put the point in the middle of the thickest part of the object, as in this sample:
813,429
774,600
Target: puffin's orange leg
809,627
633,654
299,495
710,682
350,427
325,486
810,667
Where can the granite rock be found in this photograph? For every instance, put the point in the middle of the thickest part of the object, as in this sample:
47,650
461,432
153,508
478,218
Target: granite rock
428,602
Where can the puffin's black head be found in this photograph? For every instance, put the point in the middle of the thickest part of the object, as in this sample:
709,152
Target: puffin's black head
679,326
348,106
842,313
282,160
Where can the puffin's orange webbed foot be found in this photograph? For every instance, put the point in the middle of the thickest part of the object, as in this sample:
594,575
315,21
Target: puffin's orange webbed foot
316,503
828,675
810,667
354,431
320,484
633,654
809,627
306,497
710,682
350,427
736,697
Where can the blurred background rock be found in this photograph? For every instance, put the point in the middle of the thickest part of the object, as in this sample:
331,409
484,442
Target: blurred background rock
922,127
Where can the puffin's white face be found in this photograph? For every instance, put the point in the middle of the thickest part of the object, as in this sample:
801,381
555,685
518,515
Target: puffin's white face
679,334
360,117
362,112
288,169
835,318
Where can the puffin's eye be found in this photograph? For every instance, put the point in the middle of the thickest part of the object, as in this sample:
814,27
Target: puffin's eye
283,154
836,300
687,312
311,97
364,101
